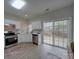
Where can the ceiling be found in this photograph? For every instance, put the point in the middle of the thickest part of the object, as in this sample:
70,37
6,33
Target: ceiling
35,7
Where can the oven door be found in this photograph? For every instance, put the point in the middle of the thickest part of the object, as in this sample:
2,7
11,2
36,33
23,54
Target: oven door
9,41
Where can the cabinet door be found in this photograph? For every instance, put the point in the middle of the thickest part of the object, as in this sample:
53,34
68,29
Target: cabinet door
9,27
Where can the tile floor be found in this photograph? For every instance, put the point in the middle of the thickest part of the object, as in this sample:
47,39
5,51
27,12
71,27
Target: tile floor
31,51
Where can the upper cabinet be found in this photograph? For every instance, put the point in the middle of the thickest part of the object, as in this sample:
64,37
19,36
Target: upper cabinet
9,27
35,26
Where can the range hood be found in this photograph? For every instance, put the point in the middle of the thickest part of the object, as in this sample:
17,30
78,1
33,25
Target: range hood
36,30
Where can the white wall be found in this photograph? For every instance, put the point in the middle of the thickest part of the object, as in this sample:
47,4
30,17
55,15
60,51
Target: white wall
21,24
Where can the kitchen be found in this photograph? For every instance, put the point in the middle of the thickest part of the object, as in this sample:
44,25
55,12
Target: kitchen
24,29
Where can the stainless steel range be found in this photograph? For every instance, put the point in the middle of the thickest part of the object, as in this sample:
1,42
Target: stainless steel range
35,39
10,38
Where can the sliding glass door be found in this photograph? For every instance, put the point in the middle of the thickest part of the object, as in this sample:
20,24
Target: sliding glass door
47,32
56,33
66,33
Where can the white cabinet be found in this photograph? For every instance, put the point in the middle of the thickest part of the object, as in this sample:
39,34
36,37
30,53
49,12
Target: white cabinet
24,38
36,25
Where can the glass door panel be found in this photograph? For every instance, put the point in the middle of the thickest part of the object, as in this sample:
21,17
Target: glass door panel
47,32
56,41
65,33
46,37
61,33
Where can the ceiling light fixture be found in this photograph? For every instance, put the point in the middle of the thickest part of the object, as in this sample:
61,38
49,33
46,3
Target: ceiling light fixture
18,4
